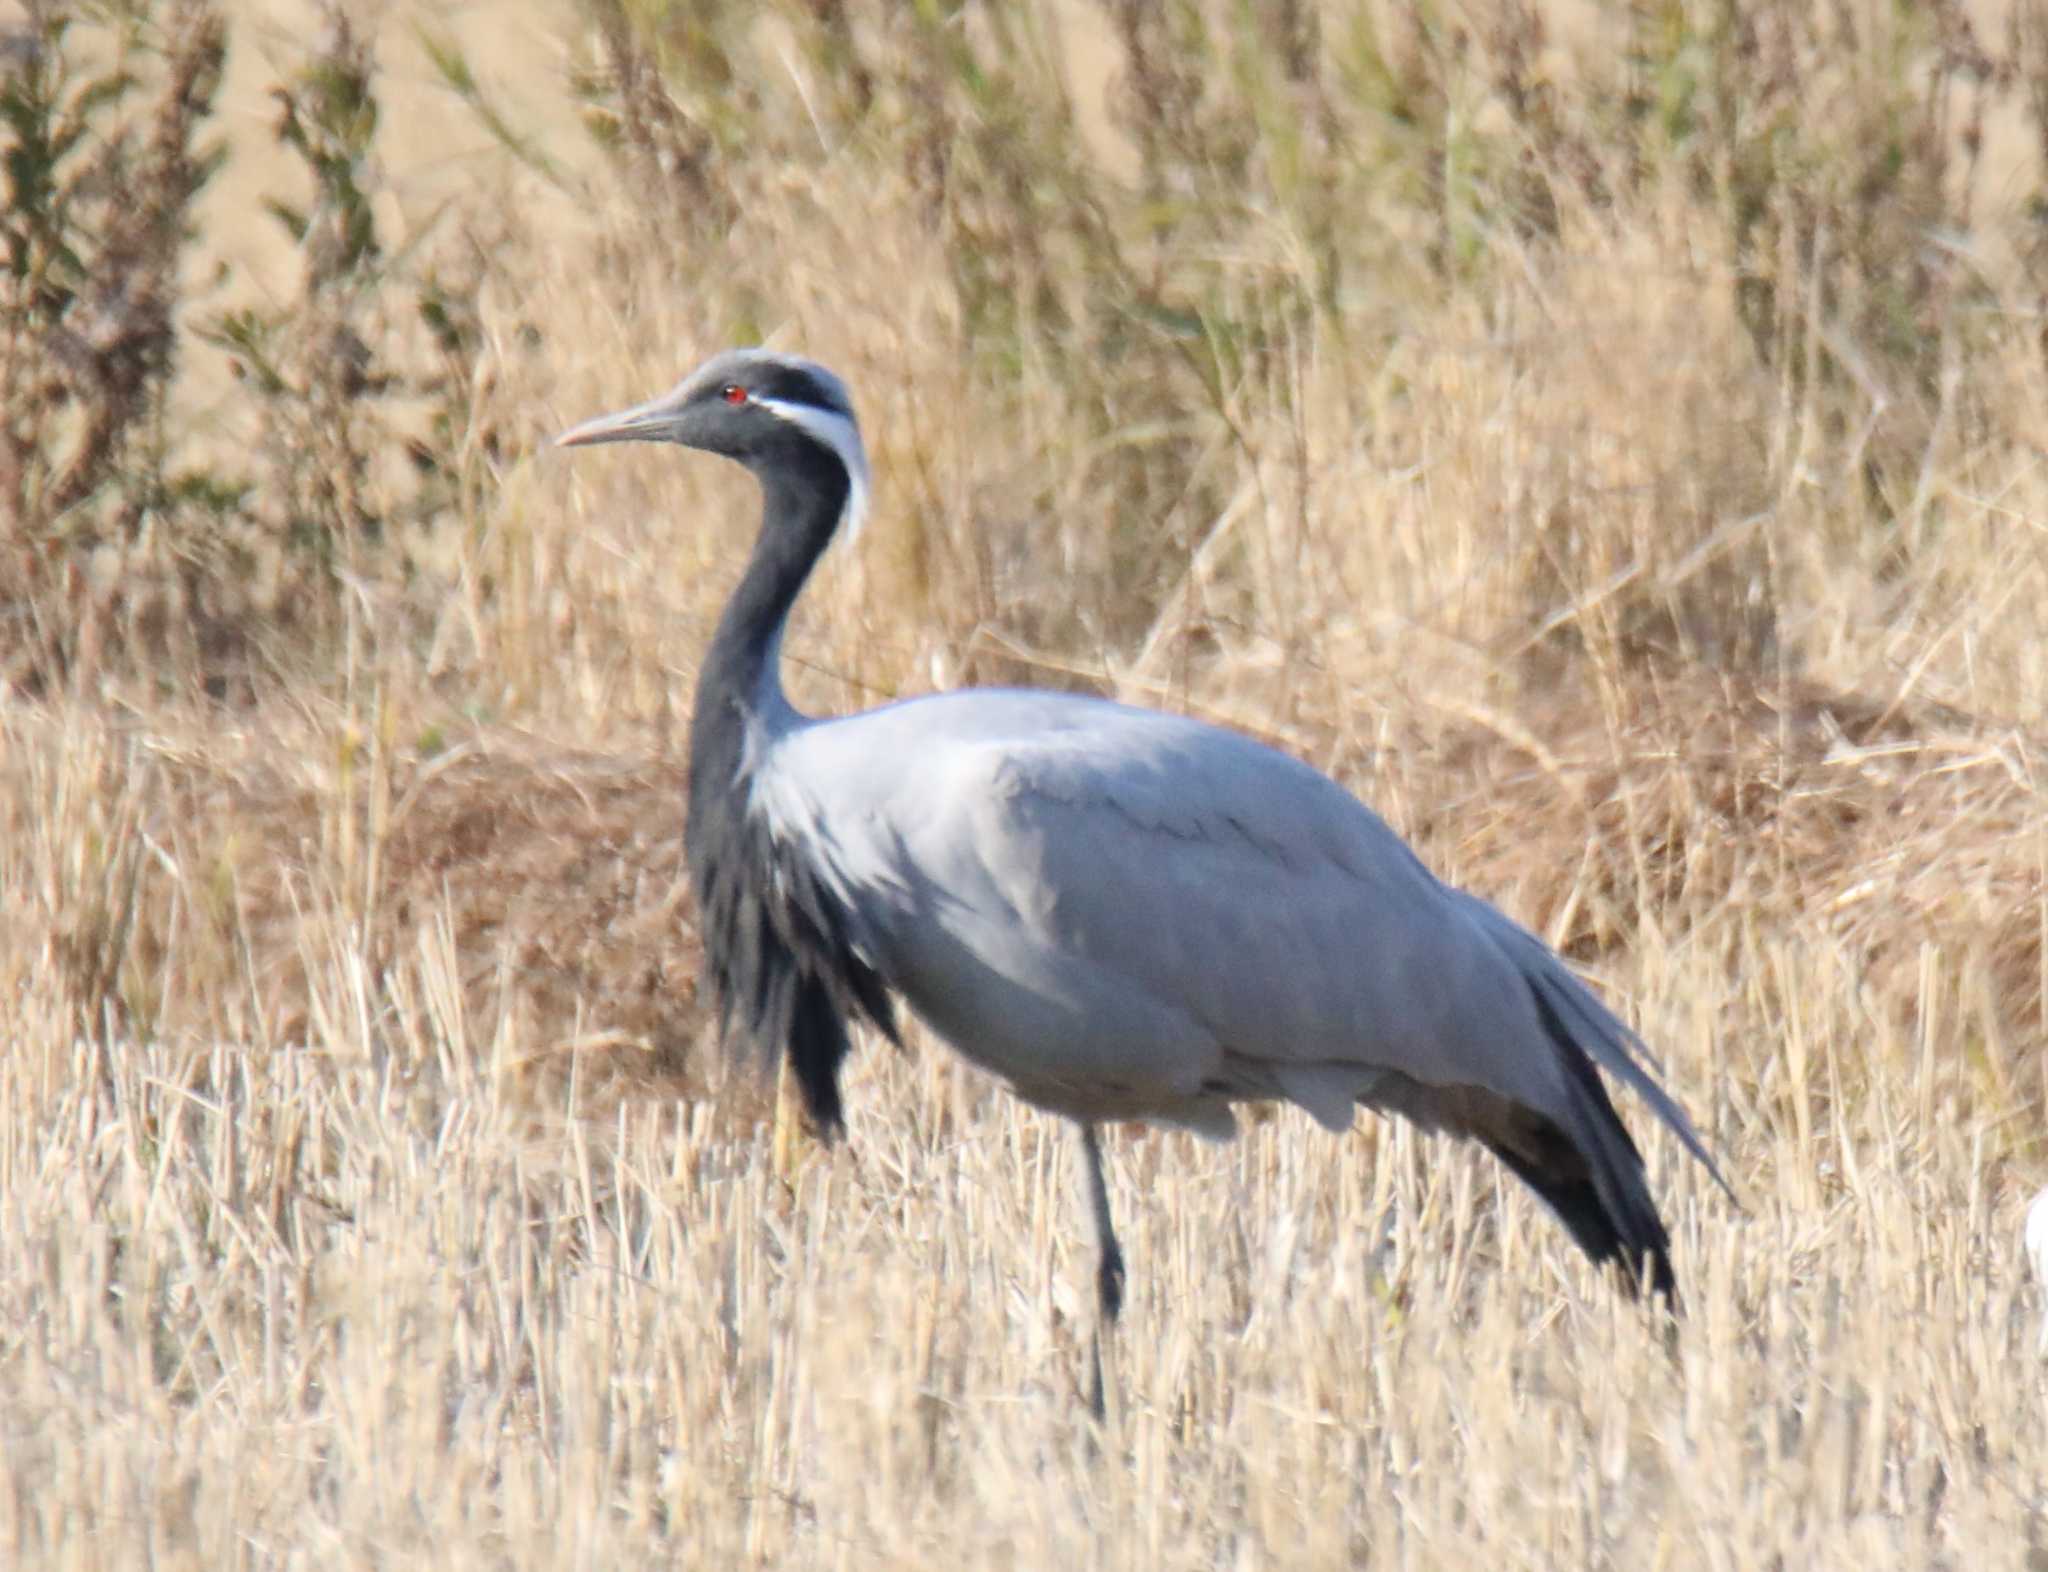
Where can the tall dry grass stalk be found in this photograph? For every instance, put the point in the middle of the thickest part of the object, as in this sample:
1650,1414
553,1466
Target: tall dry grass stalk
1620,462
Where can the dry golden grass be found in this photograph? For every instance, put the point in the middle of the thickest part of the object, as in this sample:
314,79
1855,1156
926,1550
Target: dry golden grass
373,1191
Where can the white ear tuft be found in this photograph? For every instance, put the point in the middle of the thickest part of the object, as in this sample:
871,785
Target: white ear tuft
839,433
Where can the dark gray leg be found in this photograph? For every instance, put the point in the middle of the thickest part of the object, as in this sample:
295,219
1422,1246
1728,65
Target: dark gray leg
1109,1279
1109,1275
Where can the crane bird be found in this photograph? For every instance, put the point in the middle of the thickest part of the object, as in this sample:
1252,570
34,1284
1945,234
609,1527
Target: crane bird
1127,915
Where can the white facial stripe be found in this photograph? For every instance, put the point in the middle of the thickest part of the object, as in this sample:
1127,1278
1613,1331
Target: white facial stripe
842,436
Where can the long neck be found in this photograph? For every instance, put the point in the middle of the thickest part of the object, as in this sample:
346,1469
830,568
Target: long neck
739,688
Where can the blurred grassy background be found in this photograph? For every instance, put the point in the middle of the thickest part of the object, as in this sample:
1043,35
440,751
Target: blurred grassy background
1611,437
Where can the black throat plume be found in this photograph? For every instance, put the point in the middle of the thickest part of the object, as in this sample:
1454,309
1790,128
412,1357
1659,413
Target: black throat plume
786,959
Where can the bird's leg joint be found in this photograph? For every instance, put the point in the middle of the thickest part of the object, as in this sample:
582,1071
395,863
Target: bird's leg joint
1109,1280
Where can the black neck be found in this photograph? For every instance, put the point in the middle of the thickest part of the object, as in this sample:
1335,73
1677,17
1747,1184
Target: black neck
778,953
803,492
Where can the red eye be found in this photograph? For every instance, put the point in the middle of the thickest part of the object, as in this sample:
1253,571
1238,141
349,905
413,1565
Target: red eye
733,393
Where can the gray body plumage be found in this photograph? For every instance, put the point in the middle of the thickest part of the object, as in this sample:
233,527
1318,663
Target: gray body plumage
1124,914
1133,915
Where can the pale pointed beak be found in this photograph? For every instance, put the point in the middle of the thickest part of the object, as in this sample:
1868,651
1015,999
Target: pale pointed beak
649,422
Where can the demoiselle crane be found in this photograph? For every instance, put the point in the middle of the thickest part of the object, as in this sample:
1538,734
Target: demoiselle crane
1123,913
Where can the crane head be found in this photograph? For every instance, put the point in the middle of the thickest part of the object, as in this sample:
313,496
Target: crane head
756,406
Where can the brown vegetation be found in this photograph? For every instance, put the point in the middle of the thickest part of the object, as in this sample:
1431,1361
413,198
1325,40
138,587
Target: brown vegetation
1611,440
